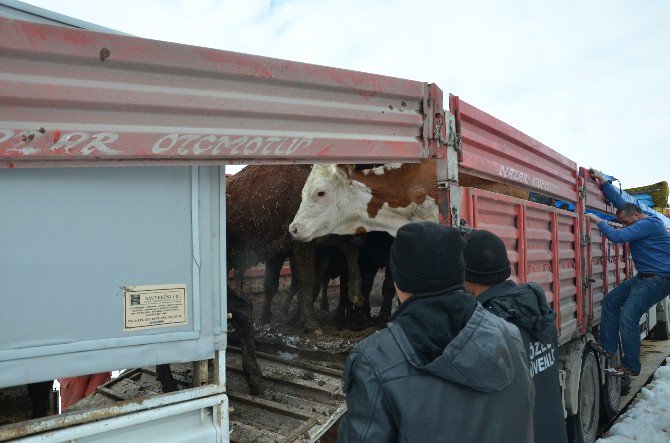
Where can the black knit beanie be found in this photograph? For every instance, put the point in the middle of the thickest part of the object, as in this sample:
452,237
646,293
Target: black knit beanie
486,259
427,257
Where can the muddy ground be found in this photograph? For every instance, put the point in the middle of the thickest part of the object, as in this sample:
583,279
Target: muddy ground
334,339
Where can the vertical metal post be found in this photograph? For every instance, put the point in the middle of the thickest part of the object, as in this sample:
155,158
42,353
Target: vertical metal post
590,275
220,355
521,242
617,254
200,373
585,297
556,287
579,269
606,280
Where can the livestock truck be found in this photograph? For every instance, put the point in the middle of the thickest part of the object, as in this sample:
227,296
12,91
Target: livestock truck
112,185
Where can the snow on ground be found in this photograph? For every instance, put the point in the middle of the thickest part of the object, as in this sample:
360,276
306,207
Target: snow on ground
648,418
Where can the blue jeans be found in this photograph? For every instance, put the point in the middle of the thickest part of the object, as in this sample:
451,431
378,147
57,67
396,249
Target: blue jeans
622,309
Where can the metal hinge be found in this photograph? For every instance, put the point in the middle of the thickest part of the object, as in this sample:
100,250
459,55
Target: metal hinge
587,281
452,139
585,239
582,191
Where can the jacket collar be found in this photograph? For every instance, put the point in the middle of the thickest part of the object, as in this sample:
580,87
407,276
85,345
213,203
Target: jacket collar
403,306
495,291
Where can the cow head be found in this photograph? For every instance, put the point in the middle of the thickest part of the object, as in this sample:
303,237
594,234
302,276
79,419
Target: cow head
326,190
338,199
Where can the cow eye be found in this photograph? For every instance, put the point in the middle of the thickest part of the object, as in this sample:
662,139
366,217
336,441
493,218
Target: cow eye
321,193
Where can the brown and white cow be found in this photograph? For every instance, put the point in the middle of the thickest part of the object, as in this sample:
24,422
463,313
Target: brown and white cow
338,199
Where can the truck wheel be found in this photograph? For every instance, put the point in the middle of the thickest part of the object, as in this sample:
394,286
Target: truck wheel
660,331
583,427
611,393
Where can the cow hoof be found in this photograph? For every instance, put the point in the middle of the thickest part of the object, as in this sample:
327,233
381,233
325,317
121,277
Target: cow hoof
313,328
256,386
358,302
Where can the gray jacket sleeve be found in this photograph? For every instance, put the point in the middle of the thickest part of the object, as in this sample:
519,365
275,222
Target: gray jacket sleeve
368,416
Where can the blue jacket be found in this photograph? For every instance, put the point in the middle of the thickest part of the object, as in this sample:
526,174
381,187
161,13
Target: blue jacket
648,238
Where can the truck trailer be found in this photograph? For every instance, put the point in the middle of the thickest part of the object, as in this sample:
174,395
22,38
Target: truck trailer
112,150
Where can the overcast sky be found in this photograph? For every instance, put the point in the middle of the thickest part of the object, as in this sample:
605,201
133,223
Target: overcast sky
590,79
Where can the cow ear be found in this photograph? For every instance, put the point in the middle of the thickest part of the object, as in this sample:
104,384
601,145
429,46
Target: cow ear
343,172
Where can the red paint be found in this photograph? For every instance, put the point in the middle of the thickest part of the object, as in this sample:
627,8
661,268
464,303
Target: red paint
56,136
497,151
542,242
35,33
76,37
325,150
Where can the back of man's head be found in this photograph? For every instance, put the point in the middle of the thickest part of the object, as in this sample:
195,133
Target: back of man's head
486,261
427,257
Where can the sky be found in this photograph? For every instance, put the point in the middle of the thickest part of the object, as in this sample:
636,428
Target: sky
590,79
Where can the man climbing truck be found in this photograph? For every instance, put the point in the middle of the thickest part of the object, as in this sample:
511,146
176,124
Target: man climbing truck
624,305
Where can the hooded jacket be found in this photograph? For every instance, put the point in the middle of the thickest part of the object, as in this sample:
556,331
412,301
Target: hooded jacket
526,306
444,370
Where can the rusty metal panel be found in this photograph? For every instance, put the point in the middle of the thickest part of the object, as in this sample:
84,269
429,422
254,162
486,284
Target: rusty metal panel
75,97
495,150
485,210
598,271
568,272
542,246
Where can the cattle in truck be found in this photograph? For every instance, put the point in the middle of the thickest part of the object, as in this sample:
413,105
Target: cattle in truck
261,202
343,199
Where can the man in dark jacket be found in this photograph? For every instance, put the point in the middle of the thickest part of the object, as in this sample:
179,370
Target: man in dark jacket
486,271
445,369
624,305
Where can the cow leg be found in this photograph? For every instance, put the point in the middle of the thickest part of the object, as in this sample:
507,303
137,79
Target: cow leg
40,396
354,273
388,292
239,280
368,280
304,255
323,277
241,311
293,290
325,282
165,378
270,287
343,305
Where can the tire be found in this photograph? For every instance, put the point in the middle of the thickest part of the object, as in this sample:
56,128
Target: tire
661,331
583,427
611,392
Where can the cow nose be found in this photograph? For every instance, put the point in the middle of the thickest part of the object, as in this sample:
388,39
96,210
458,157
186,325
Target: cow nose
294,230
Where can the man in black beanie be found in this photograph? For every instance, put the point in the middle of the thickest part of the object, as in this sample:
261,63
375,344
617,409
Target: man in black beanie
445,369
487,269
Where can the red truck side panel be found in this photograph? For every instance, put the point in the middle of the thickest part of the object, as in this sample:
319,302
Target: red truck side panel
543,247
81,98
495,150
